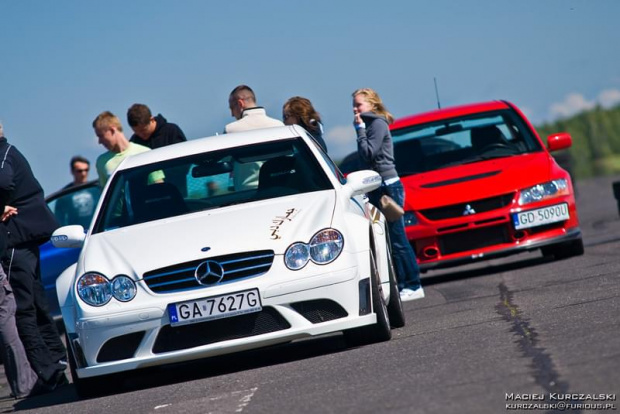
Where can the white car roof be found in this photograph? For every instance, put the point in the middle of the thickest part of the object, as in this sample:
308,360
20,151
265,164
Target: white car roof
215,142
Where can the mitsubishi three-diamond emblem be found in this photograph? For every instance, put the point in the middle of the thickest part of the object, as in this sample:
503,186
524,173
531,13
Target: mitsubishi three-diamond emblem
468,210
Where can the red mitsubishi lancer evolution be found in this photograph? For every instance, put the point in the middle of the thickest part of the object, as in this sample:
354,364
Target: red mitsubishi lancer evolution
480,183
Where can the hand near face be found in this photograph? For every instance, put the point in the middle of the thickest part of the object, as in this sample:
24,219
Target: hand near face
360,105
357,118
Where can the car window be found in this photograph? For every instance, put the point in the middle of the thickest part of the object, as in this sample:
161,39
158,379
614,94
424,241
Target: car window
461,140
76,207
211,180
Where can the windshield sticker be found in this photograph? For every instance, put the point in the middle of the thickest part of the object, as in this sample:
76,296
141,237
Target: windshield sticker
278,221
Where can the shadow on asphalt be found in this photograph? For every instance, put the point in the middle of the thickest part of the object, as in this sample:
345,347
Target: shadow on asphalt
430,279
204,368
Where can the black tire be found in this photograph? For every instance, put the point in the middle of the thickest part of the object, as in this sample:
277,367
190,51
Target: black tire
91,387
380,331
564,250
395,307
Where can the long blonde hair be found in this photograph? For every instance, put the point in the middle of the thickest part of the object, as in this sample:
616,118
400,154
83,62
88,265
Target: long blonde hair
375,101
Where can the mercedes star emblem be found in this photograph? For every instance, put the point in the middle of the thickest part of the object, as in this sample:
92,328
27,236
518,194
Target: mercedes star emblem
209,272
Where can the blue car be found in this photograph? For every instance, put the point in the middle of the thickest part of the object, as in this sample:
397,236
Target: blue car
73,205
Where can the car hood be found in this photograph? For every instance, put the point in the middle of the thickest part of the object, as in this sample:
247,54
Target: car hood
265,225
476,181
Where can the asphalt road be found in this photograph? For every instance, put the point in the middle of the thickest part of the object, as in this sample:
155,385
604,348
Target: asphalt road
521,326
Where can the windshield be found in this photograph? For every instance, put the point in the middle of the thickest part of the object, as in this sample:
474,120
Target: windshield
461,140
210,180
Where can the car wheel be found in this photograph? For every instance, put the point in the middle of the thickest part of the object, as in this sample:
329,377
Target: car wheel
395,307
91,387
380,331
564,250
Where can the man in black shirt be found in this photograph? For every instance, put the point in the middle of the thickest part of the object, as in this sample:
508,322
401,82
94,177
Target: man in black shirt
150,131
156,132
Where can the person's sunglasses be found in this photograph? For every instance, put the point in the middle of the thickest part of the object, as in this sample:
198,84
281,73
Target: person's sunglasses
85,170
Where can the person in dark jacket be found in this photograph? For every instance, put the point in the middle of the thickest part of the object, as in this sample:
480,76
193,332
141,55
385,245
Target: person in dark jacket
156,132
376,151
298,110
150,131
26,223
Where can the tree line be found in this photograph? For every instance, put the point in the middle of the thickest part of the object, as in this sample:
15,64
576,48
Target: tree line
596,142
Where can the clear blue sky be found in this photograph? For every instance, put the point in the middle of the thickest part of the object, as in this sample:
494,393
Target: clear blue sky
62,62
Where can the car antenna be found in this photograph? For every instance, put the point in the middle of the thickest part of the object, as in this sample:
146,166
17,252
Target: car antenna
437,93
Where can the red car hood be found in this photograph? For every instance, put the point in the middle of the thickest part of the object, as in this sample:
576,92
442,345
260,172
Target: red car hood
463,183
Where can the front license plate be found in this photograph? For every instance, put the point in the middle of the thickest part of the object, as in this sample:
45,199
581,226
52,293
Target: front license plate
538,217
214,307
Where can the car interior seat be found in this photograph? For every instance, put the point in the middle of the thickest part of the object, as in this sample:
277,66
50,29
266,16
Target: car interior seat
279,176
156,201
487,136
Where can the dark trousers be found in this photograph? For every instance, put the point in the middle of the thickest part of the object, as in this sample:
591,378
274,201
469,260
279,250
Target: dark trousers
36,327
405,263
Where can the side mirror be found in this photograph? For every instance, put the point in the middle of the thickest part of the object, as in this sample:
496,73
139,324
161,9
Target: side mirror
69,236
559,141
360,182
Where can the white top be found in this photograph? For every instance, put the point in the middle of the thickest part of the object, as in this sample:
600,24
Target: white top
252,118
245,176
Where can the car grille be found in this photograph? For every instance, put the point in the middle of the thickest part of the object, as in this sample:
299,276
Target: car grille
473,239
457,210
209,332
182,276
320,310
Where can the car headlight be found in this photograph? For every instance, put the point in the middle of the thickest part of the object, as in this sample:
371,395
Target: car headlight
326,246
296,256
123,288
94,289
543,191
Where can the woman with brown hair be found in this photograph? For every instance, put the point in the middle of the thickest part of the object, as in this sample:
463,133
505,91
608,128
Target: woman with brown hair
376,152
298,110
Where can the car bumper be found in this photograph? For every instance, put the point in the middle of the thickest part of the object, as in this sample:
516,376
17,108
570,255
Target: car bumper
152,341
515,248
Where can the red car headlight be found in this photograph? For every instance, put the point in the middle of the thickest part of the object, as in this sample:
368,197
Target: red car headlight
543,191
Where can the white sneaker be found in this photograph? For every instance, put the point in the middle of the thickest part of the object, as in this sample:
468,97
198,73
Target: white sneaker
409,294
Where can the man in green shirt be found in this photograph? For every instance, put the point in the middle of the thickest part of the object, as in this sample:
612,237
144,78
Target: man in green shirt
109,130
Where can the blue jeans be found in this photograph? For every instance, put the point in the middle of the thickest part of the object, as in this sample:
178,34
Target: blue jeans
405,263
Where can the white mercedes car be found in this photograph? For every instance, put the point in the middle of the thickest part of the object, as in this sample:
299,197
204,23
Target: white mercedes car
220,245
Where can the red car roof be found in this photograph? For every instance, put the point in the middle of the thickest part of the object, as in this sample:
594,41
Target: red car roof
450,112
